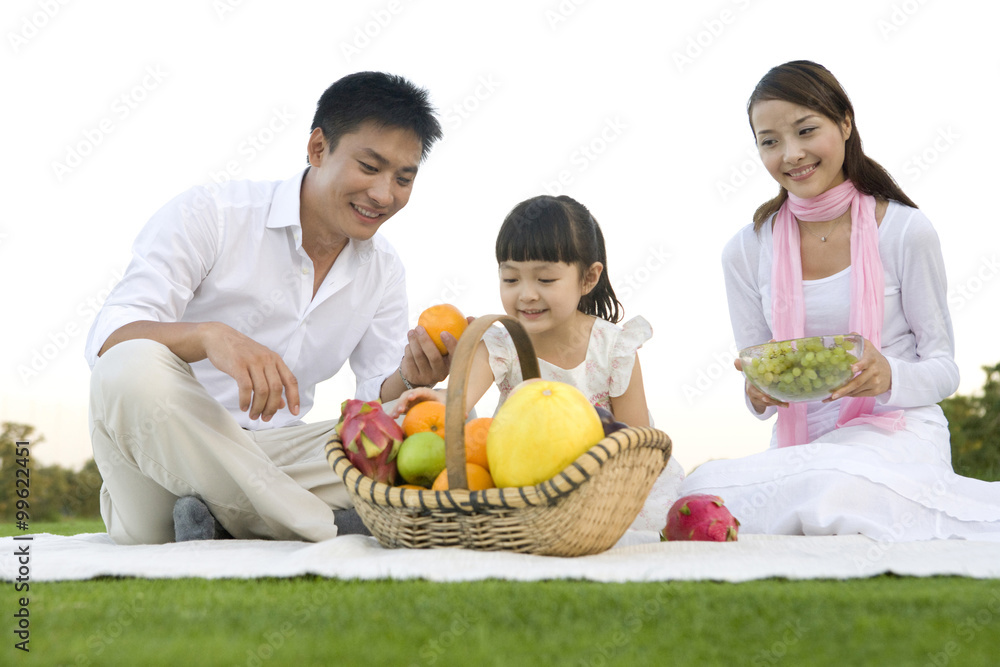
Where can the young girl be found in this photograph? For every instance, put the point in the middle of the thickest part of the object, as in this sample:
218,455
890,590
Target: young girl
553,280
842,249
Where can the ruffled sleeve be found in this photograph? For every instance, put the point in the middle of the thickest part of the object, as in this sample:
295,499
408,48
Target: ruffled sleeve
630,338
503,360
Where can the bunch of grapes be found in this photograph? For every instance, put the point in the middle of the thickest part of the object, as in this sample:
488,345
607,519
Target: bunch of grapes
805,369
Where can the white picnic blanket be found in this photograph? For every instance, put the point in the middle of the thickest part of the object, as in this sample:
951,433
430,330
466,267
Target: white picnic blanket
639,556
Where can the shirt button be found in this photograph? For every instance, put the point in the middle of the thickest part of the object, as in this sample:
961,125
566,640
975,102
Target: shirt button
305,271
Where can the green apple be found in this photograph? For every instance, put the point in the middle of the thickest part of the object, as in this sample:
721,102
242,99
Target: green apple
421,458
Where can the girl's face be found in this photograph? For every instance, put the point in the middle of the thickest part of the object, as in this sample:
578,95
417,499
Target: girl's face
544,295
802,149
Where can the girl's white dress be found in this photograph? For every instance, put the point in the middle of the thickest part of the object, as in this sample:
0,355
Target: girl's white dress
604,373
890,486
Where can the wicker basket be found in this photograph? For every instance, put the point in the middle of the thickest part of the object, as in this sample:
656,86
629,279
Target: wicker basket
583,510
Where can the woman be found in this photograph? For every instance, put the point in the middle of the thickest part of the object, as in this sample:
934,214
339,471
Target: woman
843,249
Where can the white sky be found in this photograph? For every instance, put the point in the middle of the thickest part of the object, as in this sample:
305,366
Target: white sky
638,107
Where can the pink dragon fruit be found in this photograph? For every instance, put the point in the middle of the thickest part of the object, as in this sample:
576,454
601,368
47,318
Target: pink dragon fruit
371,438
700,517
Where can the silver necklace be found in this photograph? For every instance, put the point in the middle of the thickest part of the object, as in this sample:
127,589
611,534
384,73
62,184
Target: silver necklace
824,237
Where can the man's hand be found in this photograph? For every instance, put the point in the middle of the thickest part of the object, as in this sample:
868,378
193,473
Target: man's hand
423,360
260,374
423,363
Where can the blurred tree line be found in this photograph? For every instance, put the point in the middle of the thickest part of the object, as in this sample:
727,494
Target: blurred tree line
975,429
54,492
58,492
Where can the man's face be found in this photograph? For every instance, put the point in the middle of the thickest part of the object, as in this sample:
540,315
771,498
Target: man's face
365,180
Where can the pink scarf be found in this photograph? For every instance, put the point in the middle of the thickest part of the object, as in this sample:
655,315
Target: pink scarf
867,295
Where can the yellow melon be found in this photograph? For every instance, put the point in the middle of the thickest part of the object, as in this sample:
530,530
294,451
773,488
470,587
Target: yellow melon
542,427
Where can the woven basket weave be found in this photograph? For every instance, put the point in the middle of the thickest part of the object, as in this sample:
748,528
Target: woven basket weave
583,510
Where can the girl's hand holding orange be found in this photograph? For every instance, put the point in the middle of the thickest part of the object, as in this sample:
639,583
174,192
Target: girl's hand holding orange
411,397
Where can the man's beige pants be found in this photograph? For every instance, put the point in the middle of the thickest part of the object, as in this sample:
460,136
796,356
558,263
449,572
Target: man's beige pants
158,436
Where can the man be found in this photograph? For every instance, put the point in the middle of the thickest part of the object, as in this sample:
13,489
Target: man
238,300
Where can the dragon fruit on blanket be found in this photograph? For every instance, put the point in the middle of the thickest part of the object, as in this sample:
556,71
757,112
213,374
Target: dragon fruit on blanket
371,438
701,517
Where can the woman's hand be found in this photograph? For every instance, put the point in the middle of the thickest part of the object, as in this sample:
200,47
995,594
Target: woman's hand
758,399
872,376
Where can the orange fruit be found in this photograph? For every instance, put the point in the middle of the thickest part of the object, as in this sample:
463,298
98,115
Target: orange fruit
424,416
438,319
475,441
476,476
412,486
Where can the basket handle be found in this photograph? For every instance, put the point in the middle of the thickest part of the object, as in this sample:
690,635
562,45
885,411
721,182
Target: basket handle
461,367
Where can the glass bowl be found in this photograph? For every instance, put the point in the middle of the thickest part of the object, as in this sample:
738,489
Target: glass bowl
802,369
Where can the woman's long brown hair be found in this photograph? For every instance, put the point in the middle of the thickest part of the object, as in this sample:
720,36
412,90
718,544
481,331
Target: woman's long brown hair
812,86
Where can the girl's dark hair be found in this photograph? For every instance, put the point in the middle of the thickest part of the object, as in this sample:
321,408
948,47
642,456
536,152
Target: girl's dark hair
812,86
388,100
560,229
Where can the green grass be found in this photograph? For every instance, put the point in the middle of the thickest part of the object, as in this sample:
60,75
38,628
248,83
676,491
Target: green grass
307,620
64,527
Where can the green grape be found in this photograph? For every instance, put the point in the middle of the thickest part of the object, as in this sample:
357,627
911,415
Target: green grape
802,370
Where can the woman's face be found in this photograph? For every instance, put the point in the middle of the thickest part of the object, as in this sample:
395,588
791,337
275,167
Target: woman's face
802,149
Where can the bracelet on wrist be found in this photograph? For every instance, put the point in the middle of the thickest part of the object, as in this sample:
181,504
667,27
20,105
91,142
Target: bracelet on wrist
407,383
